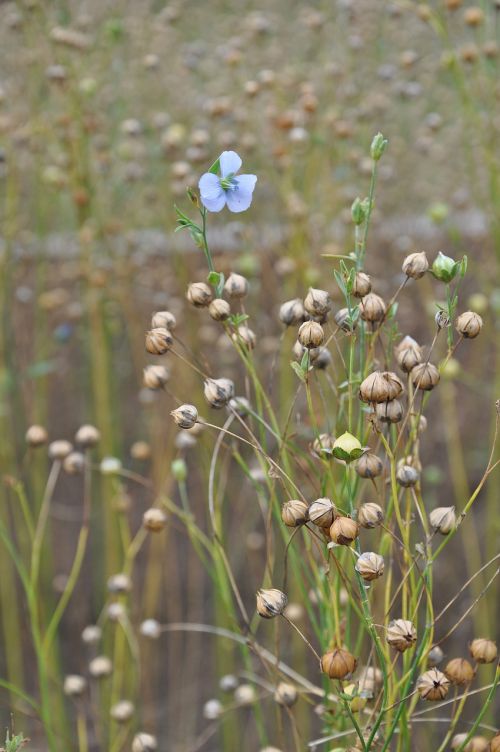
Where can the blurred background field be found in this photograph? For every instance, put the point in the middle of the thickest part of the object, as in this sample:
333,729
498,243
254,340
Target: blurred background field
108,111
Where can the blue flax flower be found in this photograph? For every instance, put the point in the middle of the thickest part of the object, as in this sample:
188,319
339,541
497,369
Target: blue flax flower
227,188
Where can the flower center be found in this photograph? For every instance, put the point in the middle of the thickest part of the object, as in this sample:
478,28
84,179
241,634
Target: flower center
228,182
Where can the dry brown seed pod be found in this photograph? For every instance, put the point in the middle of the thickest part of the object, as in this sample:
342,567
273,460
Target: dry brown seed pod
218,392
495,743
483,650
59,449
477,744
425,376
74,463
163,320
154,519
408,354
401,634
119,583
469,324
199,294
362,285
292,312
323,359
236,286
36,436
344,531
433,685
294,513
323,445
122,711
370,678
185,416
87,436
74,685
443,519
245,336
311,334
369,466
415,265
155,377
271,602
144,743
372,308
459,671
219,309
286,694
380,386
435,656
317,302
343,320
407,476
370,515
473,16
389,412
338,663
100,667
458,740
322,512
158,341
370,566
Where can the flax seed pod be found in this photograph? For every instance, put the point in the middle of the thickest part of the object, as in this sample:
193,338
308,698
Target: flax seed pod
443,519
401,634
144,743
433,685
87,436
370,515
380,386
459,671
370,678
122,711
185,416
344,321
236,286
370,566
154,519
435,656
323,445
74,463
389,412
155,377
372,308
218,392
295,513
245,336
338,663
495,743
344,531
219,309
425,376
415,265
100,667
311,334
163,320
407,476
59,449
36,436
408,354
158,341
199,294
271,602
362,285
292,312
483,650
469,324
322,512
317,303
369,466
74,685
286,694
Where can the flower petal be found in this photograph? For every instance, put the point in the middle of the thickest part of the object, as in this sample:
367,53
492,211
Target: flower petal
212,194
239,197
215,204
230,163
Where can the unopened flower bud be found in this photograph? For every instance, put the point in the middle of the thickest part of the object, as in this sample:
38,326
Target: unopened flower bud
372,308
425,376
469,324
294,513
87,436
370,566
459,671
270,602
344,531
317,302
163,320
59,449
370,515
286,694
358,211
483,650
444,268
199,294
415,265
362,285
100,667
158,341
155,377
389,412
74,685
219,309
218,392
322,512
144,743
185,416
401,634
369,466
407,476
311,334
338,663
122,711
443,519
433,685
154,519
236,286
179,470
36,436
292,312
378,146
